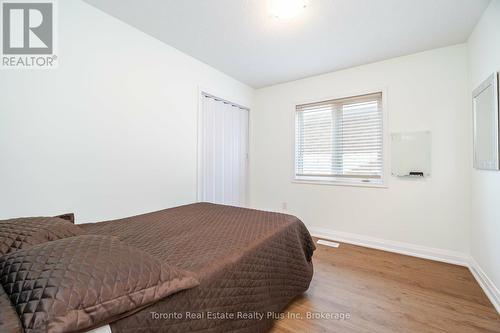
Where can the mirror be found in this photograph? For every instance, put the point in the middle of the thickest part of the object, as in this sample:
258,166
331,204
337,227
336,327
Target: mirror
486,145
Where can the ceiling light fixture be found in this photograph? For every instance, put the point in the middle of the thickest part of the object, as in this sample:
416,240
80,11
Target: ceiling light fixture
286,9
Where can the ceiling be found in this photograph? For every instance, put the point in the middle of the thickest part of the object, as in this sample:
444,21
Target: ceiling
241,39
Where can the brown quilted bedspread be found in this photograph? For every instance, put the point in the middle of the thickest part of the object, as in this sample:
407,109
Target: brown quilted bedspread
246,260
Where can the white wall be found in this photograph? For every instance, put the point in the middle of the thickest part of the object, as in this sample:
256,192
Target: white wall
426,91
111,132
484,59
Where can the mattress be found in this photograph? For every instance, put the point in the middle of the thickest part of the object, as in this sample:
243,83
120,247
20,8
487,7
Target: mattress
250,265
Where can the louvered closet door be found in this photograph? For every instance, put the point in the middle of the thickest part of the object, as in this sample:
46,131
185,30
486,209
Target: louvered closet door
224,145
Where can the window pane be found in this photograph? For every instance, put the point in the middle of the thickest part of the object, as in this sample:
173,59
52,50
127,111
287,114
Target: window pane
315,141
340,138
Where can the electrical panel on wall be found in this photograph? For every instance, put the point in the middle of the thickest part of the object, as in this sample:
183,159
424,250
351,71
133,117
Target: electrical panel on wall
411,154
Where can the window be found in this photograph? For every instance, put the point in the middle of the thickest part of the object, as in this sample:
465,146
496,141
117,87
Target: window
340,140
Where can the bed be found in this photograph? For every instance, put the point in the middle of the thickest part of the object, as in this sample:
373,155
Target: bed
249,265
246,260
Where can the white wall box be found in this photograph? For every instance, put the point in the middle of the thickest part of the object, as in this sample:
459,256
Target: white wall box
411,154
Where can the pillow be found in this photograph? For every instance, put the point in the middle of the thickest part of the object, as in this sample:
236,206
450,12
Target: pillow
84,282
9,320
24,232
68,217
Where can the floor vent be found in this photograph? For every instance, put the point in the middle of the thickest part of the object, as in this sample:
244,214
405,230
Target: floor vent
328,243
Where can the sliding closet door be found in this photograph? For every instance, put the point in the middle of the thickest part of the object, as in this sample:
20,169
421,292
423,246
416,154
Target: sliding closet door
224,152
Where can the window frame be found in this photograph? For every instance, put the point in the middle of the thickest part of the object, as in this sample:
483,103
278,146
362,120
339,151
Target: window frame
344,181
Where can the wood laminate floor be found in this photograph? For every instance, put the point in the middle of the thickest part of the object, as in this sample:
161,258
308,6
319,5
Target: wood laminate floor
386,292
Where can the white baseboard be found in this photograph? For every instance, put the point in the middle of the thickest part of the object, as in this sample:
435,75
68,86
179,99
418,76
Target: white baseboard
450,257
485,282
413,250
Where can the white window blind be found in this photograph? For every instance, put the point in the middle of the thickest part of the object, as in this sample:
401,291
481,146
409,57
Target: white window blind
340,139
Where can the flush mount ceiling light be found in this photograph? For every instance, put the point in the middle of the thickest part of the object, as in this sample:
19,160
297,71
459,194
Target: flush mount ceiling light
285,9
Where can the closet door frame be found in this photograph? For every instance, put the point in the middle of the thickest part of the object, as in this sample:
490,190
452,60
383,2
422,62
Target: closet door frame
199,150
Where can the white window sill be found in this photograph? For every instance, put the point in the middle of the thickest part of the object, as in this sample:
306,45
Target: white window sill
339,183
